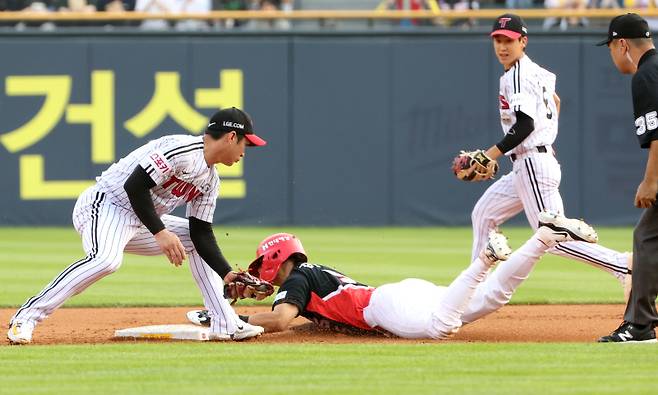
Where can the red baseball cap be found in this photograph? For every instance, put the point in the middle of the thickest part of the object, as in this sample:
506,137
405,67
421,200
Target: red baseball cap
234,119
509,25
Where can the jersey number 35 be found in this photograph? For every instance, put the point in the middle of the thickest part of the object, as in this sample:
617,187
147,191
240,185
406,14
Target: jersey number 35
646,122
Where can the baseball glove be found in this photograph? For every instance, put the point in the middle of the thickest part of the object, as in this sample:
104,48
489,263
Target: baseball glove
474,166
247,286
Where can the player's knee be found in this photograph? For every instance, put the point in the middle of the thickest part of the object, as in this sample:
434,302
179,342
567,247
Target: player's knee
498,298
443,326
479,217
108,266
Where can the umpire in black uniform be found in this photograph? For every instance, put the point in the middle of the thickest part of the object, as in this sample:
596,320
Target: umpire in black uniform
633,52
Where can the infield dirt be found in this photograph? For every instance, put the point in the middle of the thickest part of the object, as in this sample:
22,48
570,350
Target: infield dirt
533,323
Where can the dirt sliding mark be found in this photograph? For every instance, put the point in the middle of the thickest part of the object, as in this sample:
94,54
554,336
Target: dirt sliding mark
536,323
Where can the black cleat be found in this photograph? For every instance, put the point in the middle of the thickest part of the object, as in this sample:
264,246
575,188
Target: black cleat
630,333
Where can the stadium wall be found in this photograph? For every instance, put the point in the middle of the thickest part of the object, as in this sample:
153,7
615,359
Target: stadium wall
362,127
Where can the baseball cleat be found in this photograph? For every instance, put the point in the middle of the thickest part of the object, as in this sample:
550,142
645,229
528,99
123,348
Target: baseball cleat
497,248
199,317
20,333
631,333
246,331
567,229
214,336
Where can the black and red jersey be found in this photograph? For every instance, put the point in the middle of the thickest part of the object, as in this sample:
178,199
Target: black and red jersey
322,293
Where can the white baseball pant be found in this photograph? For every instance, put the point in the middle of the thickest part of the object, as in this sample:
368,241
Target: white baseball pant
415,308
107,231
533,186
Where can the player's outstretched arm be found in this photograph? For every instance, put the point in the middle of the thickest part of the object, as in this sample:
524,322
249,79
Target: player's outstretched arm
278,319
205,243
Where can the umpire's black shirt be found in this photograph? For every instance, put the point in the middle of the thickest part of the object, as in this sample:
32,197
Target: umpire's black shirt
645,98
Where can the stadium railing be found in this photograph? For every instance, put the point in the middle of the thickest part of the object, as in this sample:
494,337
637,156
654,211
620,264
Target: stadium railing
368,15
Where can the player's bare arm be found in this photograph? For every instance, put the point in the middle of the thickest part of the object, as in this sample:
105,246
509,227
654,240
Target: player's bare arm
556,98
648,188
494,152
276,320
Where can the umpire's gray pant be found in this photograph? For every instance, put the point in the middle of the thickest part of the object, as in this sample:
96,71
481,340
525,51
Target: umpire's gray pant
641,308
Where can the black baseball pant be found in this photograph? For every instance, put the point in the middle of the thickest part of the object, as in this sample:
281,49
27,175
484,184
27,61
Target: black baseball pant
641,308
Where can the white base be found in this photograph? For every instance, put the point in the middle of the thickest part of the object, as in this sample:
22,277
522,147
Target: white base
165,332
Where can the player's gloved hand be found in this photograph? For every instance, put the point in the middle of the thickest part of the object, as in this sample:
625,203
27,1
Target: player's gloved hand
241,285
474,166
171,246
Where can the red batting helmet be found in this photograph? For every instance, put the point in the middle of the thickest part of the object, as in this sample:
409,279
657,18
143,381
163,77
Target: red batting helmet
272,252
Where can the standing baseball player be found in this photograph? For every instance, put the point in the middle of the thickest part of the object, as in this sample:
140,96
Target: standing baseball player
412,308
127,211
529,109
632,51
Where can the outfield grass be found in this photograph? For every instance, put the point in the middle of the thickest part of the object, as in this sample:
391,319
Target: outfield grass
252,368
31,257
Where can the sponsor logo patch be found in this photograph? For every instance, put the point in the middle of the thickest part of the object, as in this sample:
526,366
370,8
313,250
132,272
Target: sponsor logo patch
159,162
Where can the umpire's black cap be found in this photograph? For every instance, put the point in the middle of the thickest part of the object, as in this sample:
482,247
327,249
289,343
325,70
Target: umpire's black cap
510,25
234,119
627,26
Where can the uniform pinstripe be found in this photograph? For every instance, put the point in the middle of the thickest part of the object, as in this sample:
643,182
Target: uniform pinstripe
533,184
109,227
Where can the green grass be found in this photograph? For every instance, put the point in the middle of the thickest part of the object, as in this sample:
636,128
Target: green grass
31,257
230,368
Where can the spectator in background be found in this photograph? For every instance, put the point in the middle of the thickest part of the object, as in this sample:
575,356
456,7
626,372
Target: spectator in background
40,6
518,4
461,5
115,5
565,23
12,5
606,3
270,5
80,6
77,6
193,6
230,5
155,7
413,5
643,4
173,7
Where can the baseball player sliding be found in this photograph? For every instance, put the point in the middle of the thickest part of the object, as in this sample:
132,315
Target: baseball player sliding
529,110
411,308
127,211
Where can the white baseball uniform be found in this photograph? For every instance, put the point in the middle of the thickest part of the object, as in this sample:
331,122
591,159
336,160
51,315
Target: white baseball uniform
109,227
415,308
533,184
